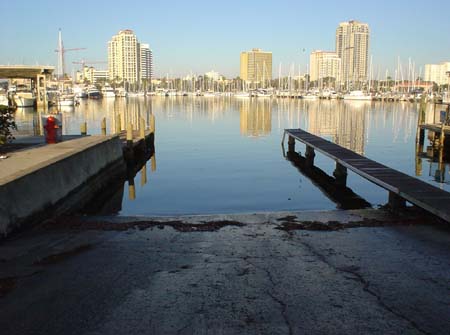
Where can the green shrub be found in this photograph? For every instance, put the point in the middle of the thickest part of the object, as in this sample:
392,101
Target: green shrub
7,124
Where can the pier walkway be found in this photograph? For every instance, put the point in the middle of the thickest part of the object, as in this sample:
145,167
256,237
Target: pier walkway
401,187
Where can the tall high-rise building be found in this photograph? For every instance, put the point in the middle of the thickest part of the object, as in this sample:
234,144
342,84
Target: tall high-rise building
146,62
256,66
123,57
324,64
438,73
352,47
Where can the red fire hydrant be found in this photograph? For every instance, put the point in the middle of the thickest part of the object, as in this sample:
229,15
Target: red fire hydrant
51,130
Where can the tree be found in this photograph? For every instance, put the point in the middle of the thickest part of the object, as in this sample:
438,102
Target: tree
7,124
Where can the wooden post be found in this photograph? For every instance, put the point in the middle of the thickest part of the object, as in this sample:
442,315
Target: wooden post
309,155
131,189
153,161
291,144
130,135
142,128
83,128
103,126
152,123
144,175
340,175
442,136
421,136
396,201
418,165
118,124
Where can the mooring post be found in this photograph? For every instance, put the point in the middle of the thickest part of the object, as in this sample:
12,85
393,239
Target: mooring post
340,175
418,166
103,126
131,189
144,175
421,136
153,161
442,136
396,201
291,144
152,123
83,128
309,155
130,135
118,124
142,128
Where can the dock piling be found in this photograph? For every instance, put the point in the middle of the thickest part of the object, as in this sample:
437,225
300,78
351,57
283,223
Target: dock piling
395,201
309,155
153,162
340,175
152,123
144,174
142,128
291,144
83,128
118,124
130,135
103,126
131,189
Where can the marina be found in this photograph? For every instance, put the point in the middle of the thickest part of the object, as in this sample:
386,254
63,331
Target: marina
194,130
176,168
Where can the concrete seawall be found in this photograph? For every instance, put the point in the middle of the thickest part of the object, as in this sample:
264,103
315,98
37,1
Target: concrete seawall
33,180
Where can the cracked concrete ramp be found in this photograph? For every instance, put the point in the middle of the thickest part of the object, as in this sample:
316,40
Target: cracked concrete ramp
247,278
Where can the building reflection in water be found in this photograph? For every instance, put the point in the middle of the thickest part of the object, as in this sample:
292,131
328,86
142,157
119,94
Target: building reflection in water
255,117
344,122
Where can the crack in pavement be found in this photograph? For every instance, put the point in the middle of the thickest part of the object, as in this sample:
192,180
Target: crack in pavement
359,278
273,297
283,311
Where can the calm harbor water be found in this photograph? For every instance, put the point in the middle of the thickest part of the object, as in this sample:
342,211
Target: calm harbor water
224,155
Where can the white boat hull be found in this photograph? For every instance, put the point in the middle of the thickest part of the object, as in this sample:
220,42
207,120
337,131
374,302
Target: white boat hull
67,102
365,98
4,100
358,95
24,102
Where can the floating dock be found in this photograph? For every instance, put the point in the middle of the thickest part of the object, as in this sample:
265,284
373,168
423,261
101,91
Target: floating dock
401,186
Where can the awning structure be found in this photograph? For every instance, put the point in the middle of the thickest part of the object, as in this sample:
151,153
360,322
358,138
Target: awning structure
25,71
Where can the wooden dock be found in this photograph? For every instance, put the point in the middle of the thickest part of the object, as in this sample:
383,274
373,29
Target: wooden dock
401,186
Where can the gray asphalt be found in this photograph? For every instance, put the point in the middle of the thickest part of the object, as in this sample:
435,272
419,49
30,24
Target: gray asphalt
239,279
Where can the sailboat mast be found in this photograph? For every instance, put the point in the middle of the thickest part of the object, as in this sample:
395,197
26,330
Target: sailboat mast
60,56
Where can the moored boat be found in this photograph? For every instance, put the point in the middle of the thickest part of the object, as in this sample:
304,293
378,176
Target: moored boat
66,100
108,92
357,95
24,99
241,95
93,92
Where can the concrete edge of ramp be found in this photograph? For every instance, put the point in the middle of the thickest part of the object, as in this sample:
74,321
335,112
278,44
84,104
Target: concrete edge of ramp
33,180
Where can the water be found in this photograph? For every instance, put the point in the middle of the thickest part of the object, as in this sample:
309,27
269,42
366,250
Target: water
224,155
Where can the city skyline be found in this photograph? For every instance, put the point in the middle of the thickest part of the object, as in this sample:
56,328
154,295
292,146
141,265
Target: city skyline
198,37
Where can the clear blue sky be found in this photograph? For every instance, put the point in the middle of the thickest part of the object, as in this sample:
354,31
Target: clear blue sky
202,35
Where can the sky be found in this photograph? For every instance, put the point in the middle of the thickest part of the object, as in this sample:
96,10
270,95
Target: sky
199,36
